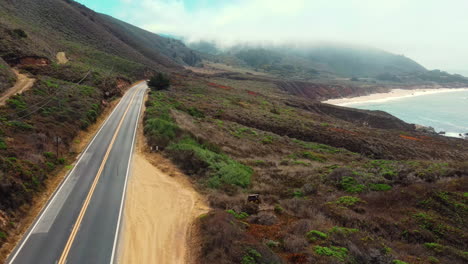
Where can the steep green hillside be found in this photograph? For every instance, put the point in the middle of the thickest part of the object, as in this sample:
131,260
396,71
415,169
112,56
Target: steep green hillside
50,26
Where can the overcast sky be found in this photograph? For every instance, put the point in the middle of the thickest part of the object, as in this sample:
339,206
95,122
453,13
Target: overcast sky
432,32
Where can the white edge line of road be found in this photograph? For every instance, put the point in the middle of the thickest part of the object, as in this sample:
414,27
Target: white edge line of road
25,239
122,202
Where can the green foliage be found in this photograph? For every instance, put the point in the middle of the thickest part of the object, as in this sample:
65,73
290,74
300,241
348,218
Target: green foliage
435,247
243,131
3,145
317,147
50,83
380,187
267,139
20,125
224,169
278,209
314,235
298,194
427,222
432,259
252,257
19,33
348,200
164,130
239,216
193,111
385,168
313,156
343,230
3,235
159,81
340,253
272,244
396,261
350,185
16,102
87,90
49,155
50,166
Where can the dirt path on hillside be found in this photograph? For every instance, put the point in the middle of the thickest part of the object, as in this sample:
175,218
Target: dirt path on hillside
160,207
61,58
22,84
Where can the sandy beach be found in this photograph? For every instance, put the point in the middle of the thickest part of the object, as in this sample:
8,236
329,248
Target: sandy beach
392,95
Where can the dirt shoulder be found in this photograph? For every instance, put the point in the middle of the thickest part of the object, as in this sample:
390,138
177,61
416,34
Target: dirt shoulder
22,84
160,207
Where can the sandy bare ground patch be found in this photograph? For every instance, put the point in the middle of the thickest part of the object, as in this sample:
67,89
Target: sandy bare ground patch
159,211
22,84
61,58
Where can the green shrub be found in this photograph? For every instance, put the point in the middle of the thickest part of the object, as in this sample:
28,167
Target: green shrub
313,156
380,187
50,166
396,261
16,102
50,83
343,230
19,33
159,81
224,170
272,244
318,147
161,129
278,209
193,111
350,185
251,257
20,125
348,200
314,235
298,194
3,235
435,247
3,145
267,140
340,253
239,216
49,155
385,167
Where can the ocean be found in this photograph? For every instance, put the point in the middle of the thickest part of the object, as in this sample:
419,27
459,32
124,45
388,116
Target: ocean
446,112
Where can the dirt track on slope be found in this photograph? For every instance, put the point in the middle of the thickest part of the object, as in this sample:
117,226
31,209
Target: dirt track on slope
61,58
160,207
22,84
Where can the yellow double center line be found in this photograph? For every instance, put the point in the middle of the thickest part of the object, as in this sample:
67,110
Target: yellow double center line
76,227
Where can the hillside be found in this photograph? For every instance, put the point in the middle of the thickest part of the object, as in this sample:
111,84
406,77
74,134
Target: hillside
336,185
327,62
50,26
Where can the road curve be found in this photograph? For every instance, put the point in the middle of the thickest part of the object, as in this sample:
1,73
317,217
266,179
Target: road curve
80,223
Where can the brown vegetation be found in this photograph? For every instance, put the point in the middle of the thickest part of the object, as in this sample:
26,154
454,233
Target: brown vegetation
327,196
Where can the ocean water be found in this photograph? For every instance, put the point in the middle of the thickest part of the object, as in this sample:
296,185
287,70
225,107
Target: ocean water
446,112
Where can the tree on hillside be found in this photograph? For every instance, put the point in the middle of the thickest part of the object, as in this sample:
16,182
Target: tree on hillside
159,81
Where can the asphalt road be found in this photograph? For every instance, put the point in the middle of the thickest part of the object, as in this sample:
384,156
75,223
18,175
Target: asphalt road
80,223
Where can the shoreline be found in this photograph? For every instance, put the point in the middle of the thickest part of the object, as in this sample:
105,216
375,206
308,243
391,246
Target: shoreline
394,94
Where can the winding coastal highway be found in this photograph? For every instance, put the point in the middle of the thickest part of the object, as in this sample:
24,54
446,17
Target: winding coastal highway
81,222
